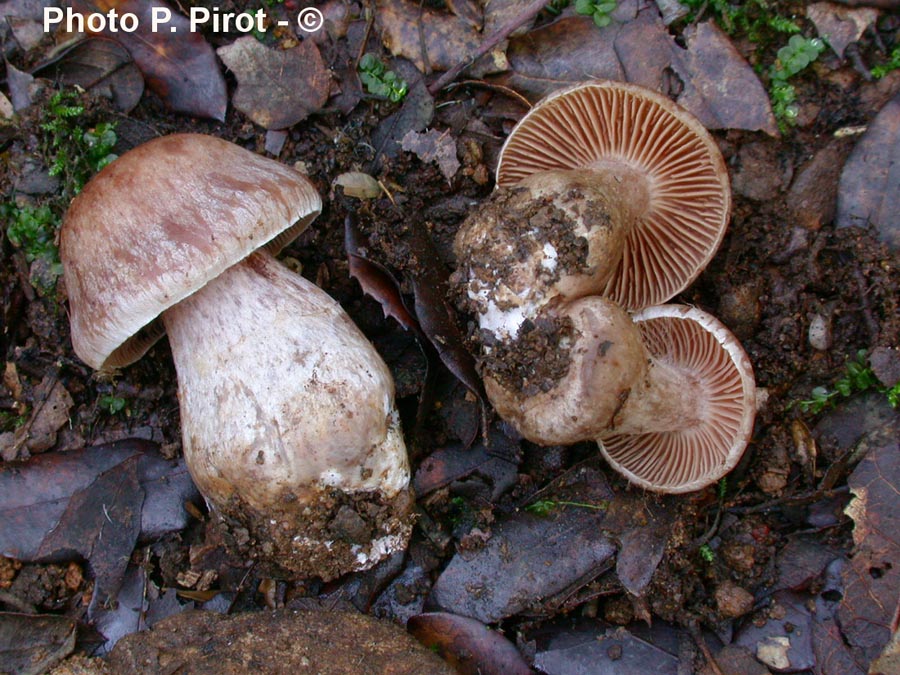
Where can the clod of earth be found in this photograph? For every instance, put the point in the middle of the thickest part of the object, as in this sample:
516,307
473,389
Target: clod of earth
610,198
288,420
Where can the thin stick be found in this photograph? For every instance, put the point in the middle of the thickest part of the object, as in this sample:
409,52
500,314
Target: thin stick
530,11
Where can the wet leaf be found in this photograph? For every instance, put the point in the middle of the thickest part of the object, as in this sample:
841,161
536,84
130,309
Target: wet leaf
872,578
530,559
468,645
180,66
801,562
414,115
376,281
51,413
41,498
597,648
431,39
31,644
22,87
869,192
784,641
838,25
720,88
434,146
641,550
498,463
437,316
276,87
100,65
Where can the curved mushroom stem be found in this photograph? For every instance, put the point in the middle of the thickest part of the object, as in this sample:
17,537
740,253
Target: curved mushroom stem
612,385
552,238
288,421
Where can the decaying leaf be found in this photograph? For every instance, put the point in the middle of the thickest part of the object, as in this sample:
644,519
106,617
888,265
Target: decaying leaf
840,26
277,87
872,578
414,115
718,85
720,88
91,503
31,644
359,185
468,645
498,464
597,647
431,39
869,192
179,66
99,65
375,279
434,146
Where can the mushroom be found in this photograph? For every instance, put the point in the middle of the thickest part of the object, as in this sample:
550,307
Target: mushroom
668,394
610,198
288,421
604,188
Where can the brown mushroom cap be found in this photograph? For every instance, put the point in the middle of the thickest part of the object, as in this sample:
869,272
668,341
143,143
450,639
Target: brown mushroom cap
691,457
160,222
597,123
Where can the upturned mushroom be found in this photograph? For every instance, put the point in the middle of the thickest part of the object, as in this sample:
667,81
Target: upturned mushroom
604,189
288,421
668,394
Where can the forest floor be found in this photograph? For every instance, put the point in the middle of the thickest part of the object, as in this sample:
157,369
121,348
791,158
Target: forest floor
789,564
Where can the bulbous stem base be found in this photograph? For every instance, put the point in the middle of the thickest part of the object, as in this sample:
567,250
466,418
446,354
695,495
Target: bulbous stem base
288,421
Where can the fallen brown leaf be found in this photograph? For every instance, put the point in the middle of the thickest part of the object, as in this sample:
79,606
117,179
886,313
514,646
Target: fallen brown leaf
869,191
180,66
31,644
838,25
277,87
434,146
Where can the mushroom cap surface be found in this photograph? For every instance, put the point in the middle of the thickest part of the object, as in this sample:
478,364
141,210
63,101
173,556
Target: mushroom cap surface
602,123
691,458
158,223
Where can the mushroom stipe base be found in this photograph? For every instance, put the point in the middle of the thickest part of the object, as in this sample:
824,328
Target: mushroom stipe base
335,532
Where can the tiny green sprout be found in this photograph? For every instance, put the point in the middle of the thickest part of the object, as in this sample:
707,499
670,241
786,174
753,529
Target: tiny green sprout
796,55
544,507
858,377
599,10
707,553
379,81
111,404
722,487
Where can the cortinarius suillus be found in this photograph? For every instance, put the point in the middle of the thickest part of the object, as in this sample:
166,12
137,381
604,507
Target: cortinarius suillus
609,198
287,412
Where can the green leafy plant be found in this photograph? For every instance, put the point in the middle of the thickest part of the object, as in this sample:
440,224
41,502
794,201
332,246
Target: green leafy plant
754,18
707,553
379,81
32,229
599,10
858,377
544,507
111,404
893,63
73,152
796,55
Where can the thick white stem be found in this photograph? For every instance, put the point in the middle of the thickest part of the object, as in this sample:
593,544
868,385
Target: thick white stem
284,401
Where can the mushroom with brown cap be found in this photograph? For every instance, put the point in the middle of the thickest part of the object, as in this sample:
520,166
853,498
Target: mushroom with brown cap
668,394
610,198
288,421
632,187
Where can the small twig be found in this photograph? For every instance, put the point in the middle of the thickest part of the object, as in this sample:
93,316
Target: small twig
796,500
871,324
527,14
694,630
